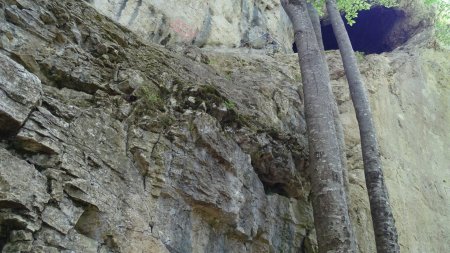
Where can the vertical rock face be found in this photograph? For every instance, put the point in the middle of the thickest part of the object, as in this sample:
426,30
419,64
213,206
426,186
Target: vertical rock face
113,145
127,147
241,23
232,23
409,91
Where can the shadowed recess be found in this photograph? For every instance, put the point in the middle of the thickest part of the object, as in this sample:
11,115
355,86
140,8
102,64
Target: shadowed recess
371,33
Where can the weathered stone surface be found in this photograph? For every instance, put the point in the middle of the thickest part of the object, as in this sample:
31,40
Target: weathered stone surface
138,149
27,193
258,24
42,133
22,195
124,163
408,91
25,246
20,92
416,18
233,23
64,217
48,239
21,235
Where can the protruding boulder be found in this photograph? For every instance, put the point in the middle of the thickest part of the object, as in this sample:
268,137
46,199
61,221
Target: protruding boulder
20,92
21,185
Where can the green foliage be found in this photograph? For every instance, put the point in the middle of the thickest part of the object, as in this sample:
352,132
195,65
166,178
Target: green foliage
359,56
229,75
318,4
166,120
151,97
443,33
230,105
442,22
351,8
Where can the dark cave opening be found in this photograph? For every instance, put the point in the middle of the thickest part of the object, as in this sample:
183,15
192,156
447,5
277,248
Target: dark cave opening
373,32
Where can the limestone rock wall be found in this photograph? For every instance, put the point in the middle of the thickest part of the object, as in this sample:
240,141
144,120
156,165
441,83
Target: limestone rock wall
236,23
108,144
410,95
202,22
111,145
409,91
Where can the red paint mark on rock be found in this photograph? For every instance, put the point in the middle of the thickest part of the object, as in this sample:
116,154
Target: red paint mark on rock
183,29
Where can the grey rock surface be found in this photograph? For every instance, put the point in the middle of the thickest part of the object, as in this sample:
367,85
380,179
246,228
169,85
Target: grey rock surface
258,24
20,92
130,147
141,150
230,24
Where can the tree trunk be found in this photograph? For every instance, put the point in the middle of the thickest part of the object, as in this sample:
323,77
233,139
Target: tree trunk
315,20
383,221
331,219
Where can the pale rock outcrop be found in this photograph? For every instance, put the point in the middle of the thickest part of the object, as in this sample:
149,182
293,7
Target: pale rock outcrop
237,23
228,24
409,92
129,147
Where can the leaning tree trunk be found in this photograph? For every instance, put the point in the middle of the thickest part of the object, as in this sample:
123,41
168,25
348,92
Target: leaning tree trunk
331,219
315,20
383,221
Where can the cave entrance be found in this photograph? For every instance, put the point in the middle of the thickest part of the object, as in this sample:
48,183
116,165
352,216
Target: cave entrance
375,31
372,33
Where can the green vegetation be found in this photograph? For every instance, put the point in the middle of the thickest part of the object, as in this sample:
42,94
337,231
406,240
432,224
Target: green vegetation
230,105
352,7
360,56
209,94
166,120
228,75
151,97
442,21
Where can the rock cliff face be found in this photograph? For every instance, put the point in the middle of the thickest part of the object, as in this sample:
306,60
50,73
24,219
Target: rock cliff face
109,144
256,24
409,91
232,23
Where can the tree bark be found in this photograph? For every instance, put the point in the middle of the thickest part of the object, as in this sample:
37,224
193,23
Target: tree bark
315,20
383,220
331,219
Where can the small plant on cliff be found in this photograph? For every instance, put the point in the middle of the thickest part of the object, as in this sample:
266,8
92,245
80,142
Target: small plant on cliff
442,20
230,105
359,56
151,97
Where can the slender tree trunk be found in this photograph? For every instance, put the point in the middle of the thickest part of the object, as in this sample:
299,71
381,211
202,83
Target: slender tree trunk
315,20
383,221
334,232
